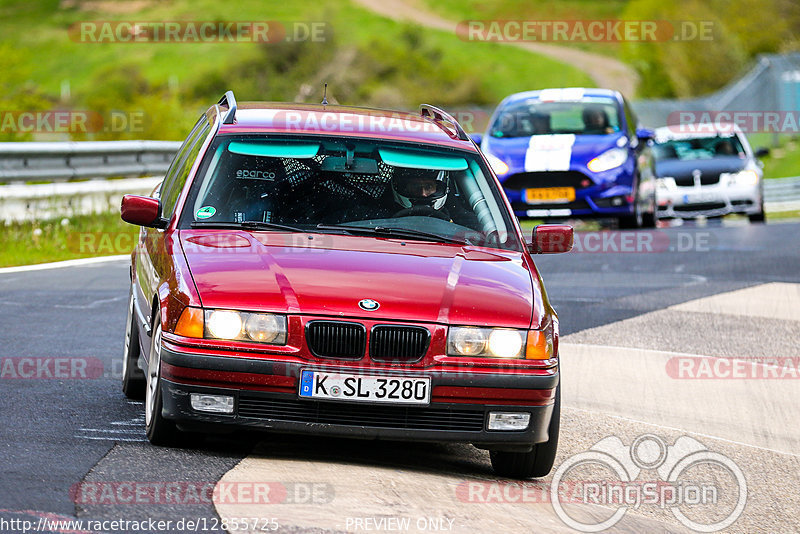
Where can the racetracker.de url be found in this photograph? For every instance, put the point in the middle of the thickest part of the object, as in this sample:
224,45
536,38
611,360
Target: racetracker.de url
203,524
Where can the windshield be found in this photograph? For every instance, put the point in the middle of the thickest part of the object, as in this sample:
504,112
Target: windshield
589,116
699,148
351,186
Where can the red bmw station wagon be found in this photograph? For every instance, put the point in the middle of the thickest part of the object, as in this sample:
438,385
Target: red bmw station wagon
341,271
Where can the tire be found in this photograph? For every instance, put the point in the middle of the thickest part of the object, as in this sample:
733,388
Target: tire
133,379
536,463
759,217
650,220
632,222
159,431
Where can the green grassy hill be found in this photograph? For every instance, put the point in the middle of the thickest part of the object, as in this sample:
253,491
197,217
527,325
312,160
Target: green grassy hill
367,60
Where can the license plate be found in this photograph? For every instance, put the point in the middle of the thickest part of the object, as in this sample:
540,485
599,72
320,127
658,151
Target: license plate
549,194
695,198
364,388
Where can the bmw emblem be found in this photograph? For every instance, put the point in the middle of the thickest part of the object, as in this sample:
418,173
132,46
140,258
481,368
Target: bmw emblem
369,304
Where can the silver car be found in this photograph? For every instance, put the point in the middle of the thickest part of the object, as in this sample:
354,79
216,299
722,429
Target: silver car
709,171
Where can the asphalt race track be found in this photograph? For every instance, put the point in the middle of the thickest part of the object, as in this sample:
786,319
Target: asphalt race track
652,323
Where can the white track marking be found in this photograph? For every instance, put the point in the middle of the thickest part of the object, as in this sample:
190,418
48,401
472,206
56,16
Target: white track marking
636,383
775,300
110,431
674,429
62,264
111,438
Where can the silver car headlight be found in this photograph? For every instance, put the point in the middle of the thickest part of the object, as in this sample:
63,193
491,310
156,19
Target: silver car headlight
485,342
666,182
746,177
245,326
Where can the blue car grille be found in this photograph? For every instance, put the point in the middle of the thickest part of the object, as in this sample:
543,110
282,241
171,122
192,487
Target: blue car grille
525,180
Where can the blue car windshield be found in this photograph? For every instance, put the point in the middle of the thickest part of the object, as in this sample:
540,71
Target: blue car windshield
588,116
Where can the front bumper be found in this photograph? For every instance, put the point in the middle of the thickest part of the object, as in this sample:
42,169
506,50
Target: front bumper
266,397
708,200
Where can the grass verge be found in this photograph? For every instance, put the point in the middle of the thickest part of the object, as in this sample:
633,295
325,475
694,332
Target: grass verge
81,236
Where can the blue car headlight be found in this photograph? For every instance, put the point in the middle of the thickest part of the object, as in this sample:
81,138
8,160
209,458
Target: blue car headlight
609,159
498,166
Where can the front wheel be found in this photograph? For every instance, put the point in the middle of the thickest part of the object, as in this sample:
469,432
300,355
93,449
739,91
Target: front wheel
133,379
536,463
160,431
632,221
650,220
759,217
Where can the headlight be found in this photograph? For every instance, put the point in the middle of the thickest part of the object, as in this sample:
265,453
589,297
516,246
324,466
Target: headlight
486,342
498,166
608,160
263,328
748,177
224,324
466,341
666,182
245,326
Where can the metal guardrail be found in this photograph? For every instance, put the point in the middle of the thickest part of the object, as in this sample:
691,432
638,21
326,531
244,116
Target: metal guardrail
782,189
62,161
782,194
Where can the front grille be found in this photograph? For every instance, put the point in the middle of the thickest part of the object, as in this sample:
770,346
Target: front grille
398,343
367,415
335,339
700,207
705,179
524,180
576,205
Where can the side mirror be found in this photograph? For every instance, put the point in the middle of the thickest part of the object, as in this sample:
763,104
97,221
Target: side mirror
645,134
478,138
762,152
551,239
142,211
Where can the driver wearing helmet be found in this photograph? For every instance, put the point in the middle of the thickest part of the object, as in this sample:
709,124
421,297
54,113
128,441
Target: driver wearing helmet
427,192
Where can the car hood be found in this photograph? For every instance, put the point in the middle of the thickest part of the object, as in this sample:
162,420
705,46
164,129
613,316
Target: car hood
576,150
319,274
715,166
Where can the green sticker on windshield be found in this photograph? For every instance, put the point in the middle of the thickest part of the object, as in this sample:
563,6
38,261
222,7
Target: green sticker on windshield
205,212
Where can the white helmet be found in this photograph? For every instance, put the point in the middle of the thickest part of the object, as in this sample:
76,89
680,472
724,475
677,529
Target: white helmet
419,187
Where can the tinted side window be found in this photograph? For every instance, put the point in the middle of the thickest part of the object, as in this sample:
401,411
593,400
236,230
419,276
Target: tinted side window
179,171
630,119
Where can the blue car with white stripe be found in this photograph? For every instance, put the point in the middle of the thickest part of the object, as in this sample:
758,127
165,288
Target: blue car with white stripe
573,153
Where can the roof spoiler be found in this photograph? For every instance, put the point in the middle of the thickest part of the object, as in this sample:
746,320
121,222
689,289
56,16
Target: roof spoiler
229,101
440,118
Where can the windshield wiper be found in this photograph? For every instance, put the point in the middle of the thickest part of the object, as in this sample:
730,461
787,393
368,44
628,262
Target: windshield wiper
393,232
249,225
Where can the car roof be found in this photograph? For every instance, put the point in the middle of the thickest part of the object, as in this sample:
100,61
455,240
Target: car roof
317,119
696,131
572,91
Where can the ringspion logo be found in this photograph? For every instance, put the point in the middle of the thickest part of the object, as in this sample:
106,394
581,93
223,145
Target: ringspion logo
689,477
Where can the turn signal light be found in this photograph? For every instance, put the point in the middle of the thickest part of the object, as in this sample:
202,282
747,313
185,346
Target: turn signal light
191,323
